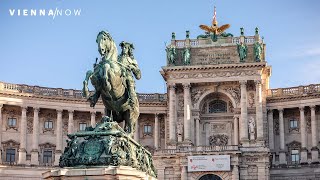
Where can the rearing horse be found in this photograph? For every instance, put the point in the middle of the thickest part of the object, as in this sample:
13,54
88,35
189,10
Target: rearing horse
110,84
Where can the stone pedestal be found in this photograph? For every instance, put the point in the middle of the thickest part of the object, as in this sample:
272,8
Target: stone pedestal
95,173
282,158
34,157
304,156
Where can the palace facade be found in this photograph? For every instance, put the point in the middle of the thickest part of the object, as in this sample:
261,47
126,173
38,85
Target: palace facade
218,107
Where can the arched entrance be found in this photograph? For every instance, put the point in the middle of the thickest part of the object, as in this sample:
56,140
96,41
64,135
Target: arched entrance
210,177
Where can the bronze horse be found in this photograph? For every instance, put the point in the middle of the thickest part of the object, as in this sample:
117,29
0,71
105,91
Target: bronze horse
110,84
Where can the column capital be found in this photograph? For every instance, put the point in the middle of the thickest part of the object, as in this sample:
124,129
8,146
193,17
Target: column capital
24,107
70,111
280,109
257,82
171,86
186,85
301,108
270,110
156,114
243,82
36,109
236,116
1,105
313,107
93,112
59,110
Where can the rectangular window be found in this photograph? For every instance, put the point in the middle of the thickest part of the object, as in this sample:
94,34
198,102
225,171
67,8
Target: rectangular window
12,122
82,126
293,123
147,129
10,155
295,157
47,157
48,124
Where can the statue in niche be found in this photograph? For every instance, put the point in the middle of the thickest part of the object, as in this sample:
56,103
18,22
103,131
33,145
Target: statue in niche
252,126
242,51
257,51
171,54
186,56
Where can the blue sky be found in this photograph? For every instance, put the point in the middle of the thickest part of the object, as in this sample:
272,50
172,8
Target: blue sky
40,50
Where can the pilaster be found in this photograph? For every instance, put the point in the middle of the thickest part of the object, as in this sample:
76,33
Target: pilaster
70,122
236,130
304,151
35,137
244,113
93,119
23,136
314,135
156,131
259,114
187,113
58,137
282,153
172,113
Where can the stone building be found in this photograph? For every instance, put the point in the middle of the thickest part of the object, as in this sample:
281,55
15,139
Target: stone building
218,105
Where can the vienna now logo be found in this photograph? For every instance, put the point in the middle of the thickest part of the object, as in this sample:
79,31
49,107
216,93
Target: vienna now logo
45,12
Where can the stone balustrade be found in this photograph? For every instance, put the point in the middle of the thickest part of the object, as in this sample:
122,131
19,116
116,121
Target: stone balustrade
198,149
291,91
205,42
59,92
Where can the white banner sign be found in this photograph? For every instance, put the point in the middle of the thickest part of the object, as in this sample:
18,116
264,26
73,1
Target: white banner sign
209,163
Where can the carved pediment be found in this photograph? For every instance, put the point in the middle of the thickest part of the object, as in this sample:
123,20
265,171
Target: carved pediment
47,145
10,143
294,144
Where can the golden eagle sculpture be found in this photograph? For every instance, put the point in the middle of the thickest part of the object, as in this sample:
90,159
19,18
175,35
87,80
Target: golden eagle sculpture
214,28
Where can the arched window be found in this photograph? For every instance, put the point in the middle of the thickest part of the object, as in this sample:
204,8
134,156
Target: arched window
217,106
210,177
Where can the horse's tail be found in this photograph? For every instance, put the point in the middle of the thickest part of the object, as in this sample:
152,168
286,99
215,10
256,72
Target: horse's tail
85,90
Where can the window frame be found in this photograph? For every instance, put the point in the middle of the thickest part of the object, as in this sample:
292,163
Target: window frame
147,129
46,157
293,121
48,122
10,120
11,155
83,123
295,157
219,102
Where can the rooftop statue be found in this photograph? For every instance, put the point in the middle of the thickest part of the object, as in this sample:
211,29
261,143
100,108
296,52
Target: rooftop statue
171,54
242,51
214,30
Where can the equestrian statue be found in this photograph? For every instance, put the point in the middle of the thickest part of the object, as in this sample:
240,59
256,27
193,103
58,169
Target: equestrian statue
113,81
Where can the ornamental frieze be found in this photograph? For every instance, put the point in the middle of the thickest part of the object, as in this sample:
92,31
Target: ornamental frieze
213,74
252,159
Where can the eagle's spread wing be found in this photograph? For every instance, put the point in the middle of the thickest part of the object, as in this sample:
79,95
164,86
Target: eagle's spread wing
206,28
223,28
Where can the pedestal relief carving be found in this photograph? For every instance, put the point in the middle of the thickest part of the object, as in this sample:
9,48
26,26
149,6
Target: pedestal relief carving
218,140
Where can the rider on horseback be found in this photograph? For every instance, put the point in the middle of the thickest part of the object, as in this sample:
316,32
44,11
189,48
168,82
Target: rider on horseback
129,66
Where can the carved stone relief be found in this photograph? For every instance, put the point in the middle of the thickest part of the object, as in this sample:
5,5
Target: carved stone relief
251,99
276,126
218,140
196,94
213,74
162,127
235,93
215,127
65,126
308,121
29,125
180,103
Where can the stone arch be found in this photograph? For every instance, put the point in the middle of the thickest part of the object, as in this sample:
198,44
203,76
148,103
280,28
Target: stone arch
224,175
210,177
211,91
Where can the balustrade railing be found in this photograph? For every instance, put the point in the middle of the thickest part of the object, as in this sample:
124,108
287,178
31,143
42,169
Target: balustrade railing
45,91
198,149
300,90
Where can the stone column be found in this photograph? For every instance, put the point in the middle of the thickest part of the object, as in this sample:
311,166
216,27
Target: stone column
236,130
58,137
23,136
70,122
172,114
156,131
93,119
184,173
262,175
35,137
282,152
259,114
1,105
136,133
197,131
160,173
235,172
314,134
187,113
271,134
304,151
244,112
